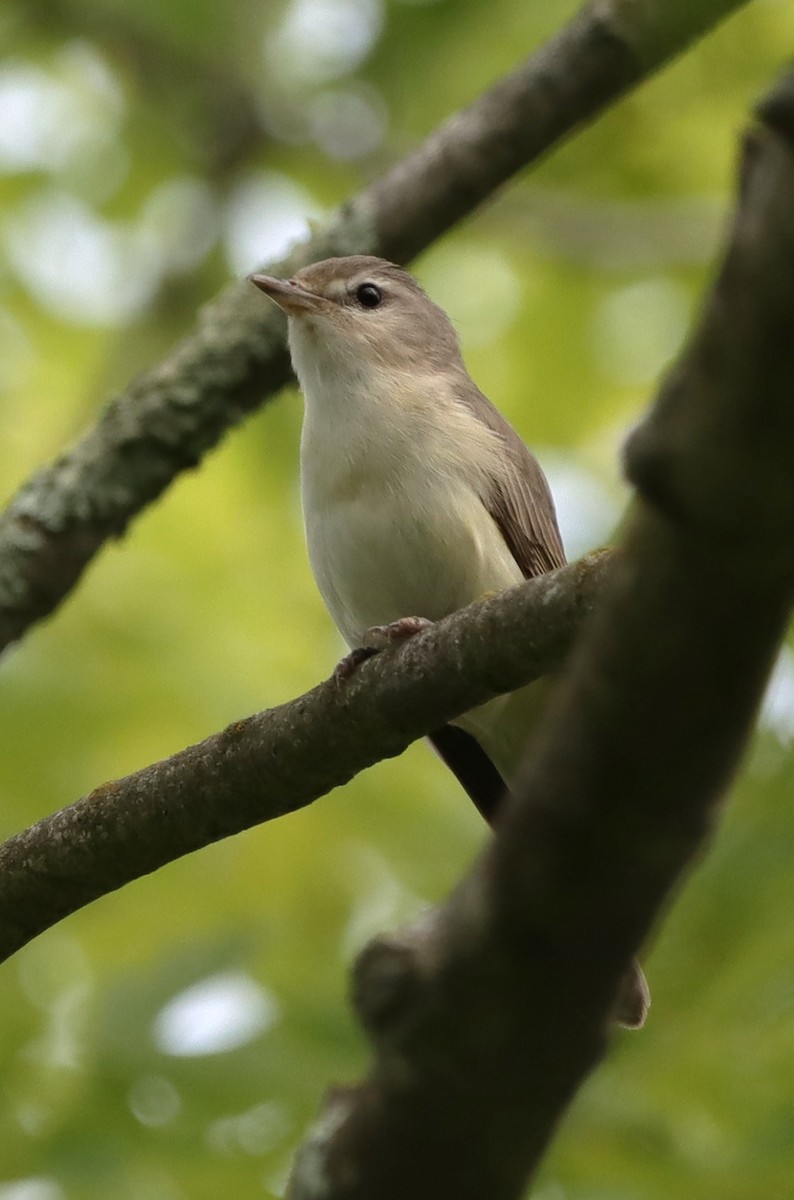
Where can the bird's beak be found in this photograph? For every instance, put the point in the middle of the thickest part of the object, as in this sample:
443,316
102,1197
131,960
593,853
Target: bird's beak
287,295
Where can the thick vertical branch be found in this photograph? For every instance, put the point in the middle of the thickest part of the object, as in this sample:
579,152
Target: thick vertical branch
487,1017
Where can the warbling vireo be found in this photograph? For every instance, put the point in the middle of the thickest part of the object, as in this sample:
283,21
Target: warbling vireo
418,496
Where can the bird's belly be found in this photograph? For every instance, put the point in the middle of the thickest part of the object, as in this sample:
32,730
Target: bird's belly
377,559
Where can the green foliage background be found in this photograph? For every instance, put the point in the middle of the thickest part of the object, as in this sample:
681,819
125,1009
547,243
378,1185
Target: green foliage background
161,147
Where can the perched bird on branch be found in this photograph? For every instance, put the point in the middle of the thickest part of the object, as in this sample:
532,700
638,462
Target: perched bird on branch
418,496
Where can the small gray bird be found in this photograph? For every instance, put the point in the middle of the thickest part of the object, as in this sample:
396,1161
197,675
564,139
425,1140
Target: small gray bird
418,496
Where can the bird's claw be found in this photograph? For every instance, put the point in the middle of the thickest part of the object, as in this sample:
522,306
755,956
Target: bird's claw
375,639
380,637
348,665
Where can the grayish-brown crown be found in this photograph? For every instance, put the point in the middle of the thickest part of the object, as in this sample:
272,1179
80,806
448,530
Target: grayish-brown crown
407,329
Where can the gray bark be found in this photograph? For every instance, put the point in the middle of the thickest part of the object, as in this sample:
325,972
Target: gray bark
283,759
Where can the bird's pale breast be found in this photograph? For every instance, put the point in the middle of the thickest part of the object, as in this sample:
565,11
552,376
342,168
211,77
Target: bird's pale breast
419,546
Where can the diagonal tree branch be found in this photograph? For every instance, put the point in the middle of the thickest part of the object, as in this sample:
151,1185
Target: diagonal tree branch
168,418
285,758
487,1017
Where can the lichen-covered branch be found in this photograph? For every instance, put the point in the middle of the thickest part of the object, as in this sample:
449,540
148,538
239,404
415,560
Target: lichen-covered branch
283,759
487,1017
168,418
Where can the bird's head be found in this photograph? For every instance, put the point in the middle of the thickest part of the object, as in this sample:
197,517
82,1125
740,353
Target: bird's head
361,315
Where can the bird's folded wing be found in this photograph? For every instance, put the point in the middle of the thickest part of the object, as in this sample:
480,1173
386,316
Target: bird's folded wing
518,498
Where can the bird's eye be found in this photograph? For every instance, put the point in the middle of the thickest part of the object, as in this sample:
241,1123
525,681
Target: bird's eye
369,295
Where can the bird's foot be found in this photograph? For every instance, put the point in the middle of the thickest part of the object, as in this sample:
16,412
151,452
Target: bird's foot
348,665
380,637
377,638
